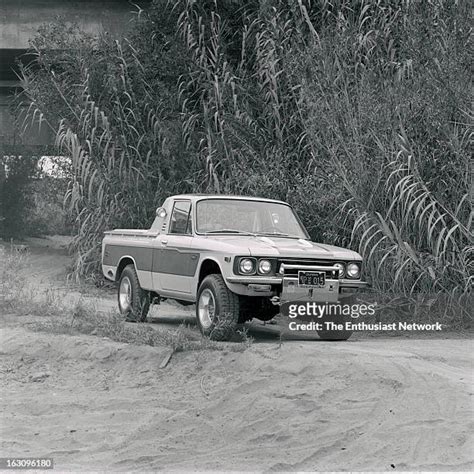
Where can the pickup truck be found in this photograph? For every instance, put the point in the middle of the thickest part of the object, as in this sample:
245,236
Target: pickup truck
235,258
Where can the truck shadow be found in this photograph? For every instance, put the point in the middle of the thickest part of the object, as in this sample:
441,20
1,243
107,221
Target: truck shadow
259,331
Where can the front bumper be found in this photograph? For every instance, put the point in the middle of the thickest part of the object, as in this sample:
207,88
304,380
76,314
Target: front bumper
259,280
286,288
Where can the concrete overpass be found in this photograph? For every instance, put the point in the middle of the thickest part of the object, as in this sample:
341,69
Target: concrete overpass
19,22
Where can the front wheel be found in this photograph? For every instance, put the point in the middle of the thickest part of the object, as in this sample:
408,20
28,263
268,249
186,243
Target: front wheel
133,301
217,309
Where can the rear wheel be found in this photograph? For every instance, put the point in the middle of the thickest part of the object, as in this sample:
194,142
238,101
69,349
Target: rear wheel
217,309
133,301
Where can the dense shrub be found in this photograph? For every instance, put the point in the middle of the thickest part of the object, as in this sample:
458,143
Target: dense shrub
31,201
47,215
16,202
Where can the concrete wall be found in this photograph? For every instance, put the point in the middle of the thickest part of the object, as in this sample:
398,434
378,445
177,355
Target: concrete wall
19,22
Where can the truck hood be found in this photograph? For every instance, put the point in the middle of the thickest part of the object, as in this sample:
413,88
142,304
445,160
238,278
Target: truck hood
263,246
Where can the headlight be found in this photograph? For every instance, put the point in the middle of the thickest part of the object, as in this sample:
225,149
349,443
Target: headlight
340,267
353,270
264,266
247,266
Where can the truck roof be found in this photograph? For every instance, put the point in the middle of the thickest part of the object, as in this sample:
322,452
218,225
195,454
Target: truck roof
198,197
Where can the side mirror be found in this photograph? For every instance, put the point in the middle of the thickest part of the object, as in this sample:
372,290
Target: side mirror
161,212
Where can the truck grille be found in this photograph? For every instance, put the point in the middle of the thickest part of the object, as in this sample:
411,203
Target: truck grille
303,264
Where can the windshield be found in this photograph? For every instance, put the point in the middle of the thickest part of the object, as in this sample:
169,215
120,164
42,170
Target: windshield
238,216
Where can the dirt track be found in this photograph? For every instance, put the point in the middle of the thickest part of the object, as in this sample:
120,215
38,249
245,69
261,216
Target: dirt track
304,406
367,404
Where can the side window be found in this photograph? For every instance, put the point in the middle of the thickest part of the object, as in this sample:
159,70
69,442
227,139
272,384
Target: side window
181,218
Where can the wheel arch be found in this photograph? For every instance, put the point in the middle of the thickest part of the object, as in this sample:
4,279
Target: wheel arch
208,267
124,261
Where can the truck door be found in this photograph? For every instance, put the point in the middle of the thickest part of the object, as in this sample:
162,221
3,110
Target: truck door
174,262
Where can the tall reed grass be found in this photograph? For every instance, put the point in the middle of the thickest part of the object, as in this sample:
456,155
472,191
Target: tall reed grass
358,113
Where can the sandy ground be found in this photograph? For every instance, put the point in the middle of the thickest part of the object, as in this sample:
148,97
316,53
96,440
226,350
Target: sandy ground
365,404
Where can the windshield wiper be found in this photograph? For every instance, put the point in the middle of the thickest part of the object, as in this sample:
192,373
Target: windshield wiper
278,234
228,231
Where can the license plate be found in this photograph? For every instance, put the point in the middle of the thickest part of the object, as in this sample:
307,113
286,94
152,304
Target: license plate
311,279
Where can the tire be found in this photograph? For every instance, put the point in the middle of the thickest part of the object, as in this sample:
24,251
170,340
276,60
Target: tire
133,301
217,309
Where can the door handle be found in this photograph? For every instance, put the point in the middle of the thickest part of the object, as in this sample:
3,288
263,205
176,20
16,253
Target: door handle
164,242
